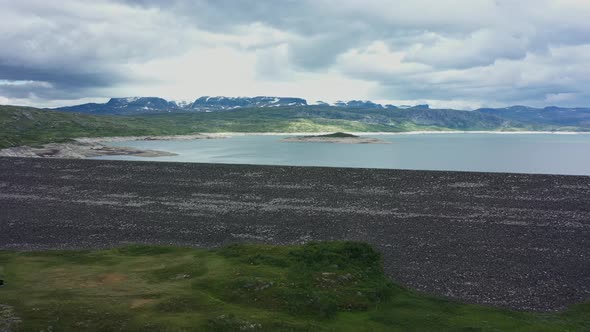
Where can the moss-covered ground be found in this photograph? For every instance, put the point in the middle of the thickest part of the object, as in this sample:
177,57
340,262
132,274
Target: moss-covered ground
336,286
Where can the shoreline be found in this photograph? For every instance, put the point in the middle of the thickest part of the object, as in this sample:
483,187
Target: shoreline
88,147
79,150
190,137
230,134
418,132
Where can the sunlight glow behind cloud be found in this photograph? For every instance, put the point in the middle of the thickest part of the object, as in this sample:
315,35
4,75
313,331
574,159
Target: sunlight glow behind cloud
467,53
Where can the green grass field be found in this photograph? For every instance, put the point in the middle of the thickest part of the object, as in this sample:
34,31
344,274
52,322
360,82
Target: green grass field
337,286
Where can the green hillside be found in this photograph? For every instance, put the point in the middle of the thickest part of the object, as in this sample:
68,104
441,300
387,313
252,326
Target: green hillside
25,125
29,126
338,286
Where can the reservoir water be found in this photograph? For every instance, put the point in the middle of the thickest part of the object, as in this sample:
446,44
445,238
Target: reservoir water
516,153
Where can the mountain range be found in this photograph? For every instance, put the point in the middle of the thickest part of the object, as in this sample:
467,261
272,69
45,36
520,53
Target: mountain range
357,110
156,116
144,105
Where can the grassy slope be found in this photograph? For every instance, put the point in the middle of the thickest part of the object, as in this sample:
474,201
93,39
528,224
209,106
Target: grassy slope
336,286
22,125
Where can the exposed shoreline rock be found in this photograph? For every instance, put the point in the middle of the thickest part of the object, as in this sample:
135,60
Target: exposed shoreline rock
88,147
78,150
150,138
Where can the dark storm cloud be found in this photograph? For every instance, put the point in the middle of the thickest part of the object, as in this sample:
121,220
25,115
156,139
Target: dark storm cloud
76,48
64,77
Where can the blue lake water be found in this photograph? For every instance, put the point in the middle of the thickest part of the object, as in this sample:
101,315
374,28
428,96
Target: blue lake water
518,153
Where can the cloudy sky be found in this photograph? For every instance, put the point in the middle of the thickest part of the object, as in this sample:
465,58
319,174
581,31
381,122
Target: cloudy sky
449,53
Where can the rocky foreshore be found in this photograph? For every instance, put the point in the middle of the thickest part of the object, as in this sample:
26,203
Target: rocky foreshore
88,147
150,138
78,150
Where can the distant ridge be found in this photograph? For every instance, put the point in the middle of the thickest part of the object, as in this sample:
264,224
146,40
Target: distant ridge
551,115
125,106
141,116
554,115
142,105
223,103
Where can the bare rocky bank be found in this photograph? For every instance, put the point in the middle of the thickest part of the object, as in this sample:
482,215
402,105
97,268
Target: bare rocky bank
87,147
78,150
513,240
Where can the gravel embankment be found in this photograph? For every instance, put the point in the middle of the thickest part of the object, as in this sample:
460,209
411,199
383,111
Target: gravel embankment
519,241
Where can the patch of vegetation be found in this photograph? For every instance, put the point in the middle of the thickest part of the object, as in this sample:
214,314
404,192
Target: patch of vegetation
333,286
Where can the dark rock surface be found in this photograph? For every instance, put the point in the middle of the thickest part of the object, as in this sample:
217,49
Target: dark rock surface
514,240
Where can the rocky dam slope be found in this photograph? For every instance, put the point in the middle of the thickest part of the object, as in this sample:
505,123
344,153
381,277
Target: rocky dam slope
513,240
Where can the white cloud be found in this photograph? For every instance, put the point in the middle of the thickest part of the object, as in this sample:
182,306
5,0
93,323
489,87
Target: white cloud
231,72
458,52
482,47
560,97
378,59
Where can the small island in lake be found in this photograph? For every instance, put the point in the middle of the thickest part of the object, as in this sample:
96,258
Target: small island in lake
339,137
